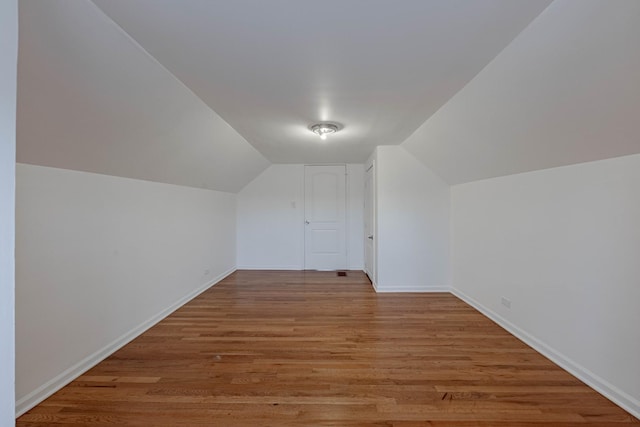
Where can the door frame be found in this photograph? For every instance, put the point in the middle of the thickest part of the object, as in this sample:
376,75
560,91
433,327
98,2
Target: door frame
374,224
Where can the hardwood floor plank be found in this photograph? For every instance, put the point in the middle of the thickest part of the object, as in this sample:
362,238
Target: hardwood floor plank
271,348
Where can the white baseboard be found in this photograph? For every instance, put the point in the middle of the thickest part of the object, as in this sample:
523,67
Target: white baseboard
410,288
619,397
47,389
608,390
286,267
270,267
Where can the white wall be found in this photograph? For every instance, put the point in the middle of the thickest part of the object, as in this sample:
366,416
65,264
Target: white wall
271,219
101,258
412,224
8,63
355,216
563,245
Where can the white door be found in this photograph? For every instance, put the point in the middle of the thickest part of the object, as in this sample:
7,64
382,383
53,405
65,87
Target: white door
369,224
325,240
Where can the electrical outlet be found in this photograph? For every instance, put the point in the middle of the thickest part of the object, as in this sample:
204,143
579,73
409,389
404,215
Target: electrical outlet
506,302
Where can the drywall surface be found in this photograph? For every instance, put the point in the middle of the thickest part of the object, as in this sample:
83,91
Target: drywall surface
100,258
8,64
269,68
355,216
563,246
412,224
566,90
91,99
271,219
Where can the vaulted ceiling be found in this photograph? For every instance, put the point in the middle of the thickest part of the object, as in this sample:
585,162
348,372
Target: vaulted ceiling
272,68
209,93
90,99
565,91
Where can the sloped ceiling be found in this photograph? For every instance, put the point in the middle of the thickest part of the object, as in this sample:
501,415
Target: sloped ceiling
90,99
475,89
566,90
272,68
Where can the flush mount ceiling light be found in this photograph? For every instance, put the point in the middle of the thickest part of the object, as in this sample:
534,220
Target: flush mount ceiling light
324,129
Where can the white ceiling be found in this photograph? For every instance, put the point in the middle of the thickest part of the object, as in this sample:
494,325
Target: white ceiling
272,68
210,92
566,91
89,99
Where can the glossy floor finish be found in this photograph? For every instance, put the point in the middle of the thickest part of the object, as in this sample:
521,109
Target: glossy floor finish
314,349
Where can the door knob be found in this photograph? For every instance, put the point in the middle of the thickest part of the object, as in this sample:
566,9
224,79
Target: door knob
370,237
306,222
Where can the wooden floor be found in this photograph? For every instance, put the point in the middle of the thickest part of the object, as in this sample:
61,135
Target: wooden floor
313,349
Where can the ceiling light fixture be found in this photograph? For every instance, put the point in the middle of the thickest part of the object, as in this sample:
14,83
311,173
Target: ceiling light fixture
323,129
